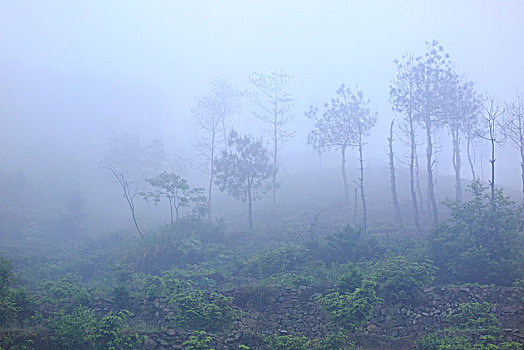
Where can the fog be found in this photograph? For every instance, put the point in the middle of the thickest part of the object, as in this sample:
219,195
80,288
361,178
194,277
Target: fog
75,74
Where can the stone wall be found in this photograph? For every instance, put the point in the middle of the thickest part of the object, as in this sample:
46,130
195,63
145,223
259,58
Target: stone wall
289,311
284,311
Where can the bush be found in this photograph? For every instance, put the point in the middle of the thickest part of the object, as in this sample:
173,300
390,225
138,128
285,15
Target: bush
67,292
192,310
334,341
71,331
109,333
198,341
399,280
482,242
286,342
348,311
350,280
473,326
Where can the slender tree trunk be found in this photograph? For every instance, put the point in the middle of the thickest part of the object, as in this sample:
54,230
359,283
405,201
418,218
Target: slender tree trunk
396,207
361,184
412,163
417,179
275,164
171,211
250,207
492,161
355,209
136,223
211,176
429,168
344,178
522,165
470,157
457,164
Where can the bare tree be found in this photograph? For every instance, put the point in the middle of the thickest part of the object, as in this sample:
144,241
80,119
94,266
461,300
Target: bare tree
402,97
273,102
209,125
391,154
492,115
127,192
512,128
463,108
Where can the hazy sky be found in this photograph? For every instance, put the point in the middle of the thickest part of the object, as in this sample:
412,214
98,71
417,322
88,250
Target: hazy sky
73,72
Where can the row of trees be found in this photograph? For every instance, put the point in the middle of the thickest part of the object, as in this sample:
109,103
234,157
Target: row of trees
428,95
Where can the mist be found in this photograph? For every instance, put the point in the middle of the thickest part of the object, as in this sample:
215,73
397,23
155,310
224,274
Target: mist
96,96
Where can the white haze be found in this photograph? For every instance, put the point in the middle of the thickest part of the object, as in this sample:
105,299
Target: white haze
73,73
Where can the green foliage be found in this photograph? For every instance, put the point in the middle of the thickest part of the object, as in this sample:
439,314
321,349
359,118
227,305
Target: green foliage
67,292
198,341
178,193
276,261
109,333
286,342
348,311
351,279
399,280
481,242
73,330
194,310
476,317
348,244
333,341
245,168
292,280
14,302
473,326
6,276
123,278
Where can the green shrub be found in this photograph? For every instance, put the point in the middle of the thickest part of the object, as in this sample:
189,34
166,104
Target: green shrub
286,342
71,331
109,333
198,341
399,280
348,311
123,279
193,310
351,279
476,317
482,240
473,326
67,292
334,341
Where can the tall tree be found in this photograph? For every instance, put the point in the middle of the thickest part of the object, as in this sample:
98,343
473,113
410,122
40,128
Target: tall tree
364,122
244,170
402,97
431,74
492,114
462,111
393,179
210,116
273,102
344,123
513,130
335,128
176,190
